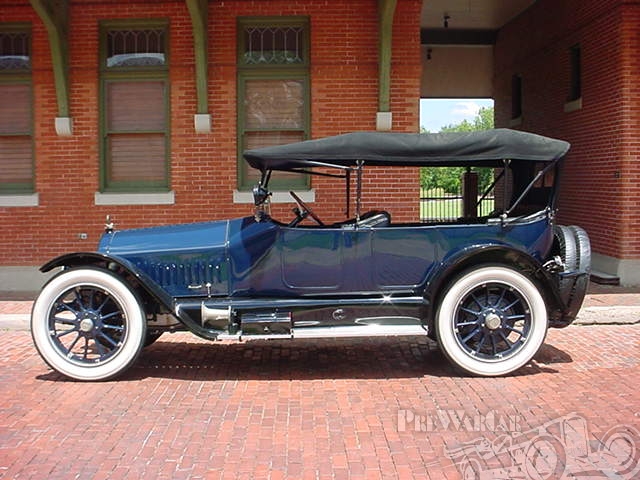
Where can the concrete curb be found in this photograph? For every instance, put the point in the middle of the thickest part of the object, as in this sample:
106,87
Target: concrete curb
618,315
14,321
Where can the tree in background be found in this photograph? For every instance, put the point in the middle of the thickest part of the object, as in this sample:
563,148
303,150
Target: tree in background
448,179
482,121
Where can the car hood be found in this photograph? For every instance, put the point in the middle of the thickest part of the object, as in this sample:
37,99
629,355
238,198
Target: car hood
197,259
174,238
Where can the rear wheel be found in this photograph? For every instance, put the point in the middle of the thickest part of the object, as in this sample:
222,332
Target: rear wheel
491,321
87,324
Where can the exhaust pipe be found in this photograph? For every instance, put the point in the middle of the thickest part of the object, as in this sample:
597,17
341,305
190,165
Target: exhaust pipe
216,317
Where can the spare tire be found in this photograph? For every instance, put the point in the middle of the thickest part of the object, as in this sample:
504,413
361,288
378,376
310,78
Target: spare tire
572,245
583,249
565,246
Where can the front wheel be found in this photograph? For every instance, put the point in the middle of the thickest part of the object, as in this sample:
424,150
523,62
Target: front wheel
491,321
87,324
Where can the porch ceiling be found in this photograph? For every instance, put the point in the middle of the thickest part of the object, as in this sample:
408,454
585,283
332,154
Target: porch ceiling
471,14
457,57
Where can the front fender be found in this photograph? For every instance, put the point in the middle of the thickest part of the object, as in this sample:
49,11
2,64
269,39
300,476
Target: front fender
76,259
115,264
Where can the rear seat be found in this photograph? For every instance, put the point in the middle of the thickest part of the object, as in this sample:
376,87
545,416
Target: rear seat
374,218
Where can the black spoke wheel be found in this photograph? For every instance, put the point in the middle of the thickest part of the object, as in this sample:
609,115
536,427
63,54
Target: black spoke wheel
491,321
87,324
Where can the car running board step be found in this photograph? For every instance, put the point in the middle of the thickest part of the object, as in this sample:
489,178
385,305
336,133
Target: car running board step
337,332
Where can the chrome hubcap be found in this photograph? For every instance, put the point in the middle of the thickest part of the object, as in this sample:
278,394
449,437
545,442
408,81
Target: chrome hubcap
492,321
86,325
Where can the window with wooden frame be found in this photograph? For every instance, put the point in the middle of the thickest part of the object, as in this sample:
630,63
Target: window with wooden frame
575,76
134,121
273,92
516,97
16,115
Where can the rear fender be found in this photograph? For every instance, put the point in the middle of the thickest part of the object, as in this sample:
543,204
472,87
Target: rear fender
471,257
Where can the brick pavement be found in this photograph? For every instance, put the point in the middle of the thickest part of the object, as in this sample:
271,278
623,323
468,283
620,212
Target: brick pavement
346,408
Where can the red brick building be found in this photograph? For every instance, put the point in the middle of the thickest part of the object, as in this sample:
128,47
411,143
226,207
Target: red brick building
568,69
105,109
578,66
141,109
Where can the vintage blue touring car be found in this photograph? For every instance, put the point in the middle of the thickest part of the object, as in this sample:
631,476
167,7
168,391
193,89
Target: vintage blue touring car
485,288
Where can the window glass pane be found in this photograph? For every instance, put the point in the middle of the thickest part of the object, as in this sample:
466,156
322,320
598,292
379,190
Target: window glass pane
14,51
135,106
274,104
137,157
576,74
136,48
516,96
15,160
135,119
15,108
268,139
16,146
273,45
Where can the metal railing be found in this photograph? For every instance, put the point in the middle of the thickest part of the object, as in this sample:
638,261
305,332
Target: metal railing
439,206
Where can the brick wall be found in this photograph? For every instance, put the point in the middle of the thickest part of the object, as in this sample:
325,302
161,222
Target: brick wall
600,183
629,181
344,86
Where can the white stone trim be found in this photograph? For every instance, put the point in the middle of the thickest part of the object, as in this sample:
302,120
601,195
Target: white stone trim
384,121
515,122
64,126
23,278
628,271
276,197
202,122
573,105
163,198
20,200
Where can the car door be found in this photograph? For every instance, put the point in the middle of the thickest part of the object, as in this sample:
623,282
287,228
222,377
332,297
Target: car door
312,259
357,261
402,256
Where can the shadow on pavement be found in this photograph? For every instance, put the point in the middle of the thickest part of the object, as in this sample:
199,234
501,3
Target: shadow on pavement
306,360
548,354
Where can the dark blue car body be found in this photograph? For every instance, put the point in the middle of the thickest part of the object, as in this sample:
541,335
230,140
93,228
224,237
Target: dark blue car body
256,277
243,258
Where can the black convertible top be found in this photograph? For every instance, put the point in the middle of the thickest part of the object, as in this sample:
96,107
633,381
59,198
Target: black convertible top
485,148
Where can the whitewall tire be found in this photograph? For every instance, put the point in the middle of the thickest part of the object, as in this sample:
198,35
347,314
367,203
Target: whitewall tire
491,321
87,324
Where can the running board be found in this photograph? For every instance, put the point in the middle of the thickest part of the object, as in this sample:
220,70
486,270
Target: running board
337,332
359,331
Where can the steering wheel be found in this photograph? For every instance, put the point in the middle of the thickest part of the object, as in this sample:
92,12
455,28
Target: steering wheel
305,210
